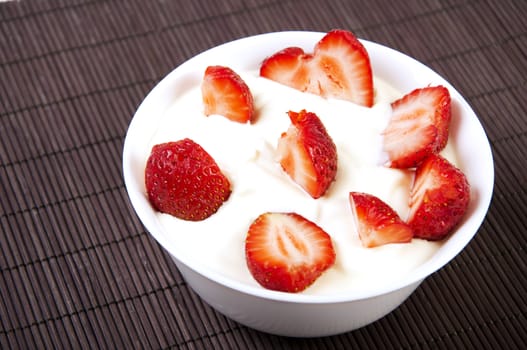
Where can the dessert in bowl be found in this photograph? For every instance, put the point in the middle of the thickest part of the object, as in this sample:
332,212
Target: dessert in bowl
362,284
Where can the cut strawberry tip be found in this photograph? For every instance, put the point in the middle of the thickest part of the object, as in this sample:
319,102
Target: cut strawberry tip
376,223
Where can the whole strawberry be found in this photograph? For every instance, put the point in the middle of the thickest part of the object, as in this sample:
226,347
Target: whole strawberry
183,180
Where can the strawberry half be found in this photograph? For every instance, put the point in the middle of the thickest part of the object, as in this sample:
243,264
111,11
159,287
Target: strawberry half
225,93
287,252
418,127
376,222
287,67
439,198
339,67
183,180
307,153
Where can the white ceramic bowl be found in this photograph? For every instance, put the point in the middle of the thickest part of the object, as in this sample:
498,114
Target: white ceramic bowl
303,315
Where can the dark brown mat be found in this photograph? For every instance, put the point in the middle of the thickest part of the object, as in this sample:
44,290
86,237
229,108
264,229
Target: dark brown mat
78,270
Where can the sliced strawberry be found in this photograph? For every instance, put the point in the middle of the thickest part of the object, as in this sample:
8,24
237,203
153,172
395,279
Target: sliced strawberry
376,222
339,67
418,127
287,252
439,198
287,67
307,153
225,93
183,180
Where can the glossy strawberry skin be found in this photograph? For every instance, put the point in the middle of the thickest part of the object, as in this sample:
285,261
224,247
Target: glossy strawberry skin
376,222
308,154
183,180
419,126
224,92
286,252
439,198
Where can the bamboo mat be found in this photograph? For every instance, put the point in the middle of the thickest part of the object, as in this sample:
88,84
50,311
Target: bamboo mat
77,268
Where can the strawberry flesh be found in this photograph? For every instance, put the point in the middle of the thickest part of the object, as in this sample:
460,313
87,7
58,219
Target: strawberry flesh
183,180
286,252
307,153
376,222
438,199
287,67
339,67
225,93
418,127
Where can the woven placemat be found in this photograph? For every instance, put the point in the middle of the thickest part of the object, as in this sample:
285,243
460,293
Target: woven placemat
78,269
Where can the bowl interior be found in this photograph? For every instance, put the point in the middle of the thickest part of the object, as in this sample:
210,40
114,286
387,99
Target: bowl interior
402,72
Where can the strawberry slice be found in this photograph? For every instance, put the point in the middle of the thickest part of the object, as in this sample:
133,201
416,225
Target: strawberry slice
224,92
376,222
439,198
183,180
418,127
307,153
287,67
339,67
286,252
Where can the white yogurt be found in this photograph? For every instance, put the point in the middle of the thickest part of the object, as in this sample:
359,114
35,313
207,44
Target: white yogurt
246,154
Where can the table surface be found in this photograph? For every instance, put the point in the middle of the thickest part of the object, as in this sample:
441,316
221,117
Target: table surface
77,268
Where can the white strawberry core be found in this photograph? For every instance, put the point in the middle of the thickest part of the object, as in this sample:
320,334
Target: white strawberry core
293,247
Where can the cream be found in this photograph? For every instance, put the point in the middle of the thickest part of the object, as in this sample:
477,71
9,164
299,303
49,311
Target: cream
246,154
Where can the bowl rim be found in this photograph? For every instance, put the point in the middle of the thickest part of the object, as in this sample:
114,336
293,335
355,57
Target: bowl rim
453,244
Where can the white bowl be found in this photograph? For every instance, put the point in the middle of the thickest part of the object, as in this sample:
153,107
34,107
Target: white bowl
302,315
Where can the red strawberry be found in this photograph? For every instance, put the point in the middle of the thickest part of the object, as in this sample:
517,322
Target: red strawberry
224,92
439,198
287,67
183,180
307,153
339,67
287,252
342,68
418,127
376,222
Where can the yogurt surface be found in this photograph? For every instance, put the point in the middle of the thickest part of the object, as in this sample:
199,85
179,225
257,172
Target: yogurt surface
246,153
